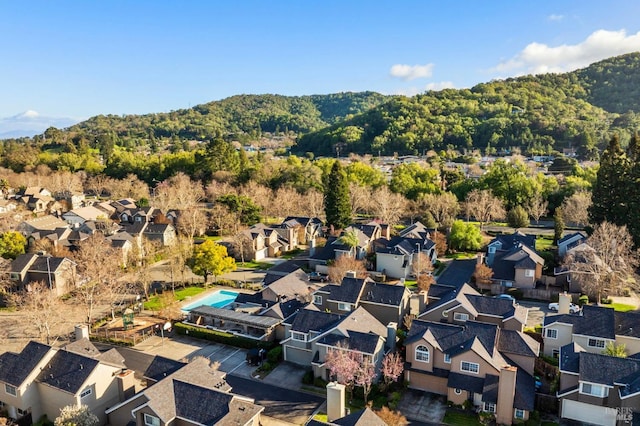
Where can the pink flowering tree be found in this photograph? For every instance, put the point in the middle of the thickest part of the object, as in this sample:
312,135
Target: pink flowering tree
343,364
366,375
392,368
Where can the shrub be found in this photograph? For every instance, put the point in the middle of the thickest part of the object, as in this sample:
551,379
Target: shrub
219,337
266,367
518,217
307,379
319,382
583,300
516,293
467,405
275,355
626,292
606,301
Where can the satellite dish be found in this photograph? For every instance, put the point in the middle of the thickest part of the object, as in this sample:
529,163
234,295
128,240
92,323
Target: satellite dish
167,325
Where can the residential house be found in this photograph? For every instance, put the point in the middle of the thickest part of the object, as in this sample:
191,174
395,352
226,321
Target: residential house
43,224
36,199
386,302
592,329
308,228
81,215
514,260
366,235
7,206
310,334
57,273
194,394
570,241
364,417
465,304
164,233
266,241
73,200
479,362
397,257
457,273
41,380
596,388
133,215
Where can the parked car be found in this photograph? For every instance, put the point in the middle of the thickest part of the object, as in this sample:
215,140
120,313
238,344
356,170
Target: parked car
506,297
574,309
316,276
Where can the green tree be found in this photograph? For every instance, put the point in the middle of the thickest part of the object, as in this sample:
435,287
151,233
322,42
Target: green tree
12,244
349,238
210,258
610,191
611,349
633,189
247,210
510,183
518,217
219,155
337,204
465,236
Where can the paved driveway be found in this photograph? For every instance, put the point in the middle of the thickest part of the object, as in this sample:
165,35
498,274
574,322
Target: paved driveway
423,407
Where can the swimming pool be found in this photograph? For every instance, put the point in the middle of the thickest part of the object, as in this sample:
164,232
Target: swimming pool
217,299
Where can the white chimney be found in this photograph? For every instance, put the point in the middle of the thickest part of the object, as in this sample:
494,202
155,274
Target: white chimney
351,274
564,300
335,401
82,331
392,328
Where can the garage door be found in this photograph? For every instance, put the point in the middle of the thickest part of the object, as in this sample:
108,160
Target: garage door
591,414
297,356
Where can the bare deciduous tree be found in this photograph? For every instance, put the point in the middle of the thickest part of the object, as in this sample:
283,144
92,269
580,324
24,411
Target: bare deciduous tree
313,203
422,267
606,263
536,207
338,270
386,205
42,309
482,275
484,206
575,208
444,207
360,198
391,417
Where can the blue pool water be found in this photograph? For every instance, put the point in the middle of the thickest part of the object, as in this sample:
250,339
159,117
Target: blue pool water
217,299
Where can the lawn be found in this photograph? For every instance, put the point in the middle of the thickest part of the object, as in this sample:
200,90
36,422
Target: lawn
543,243
621,307
411,284
457,418
153,303
254,265
461,255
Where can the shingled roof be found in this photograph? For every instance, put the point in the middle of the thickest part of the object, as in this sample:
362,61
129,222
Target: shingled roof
67,371
14,368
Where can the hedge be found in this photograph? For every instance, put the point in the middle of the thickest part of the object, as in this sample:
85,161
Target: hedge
220,337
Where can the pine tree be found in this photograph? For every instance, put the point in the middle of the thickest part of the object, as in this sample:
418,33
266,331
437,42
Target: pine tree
337,206
558,225
610,189
633,188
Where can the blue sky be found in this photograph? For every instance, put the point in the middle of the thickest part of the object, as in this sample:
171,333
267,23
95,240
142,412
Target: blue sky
82,58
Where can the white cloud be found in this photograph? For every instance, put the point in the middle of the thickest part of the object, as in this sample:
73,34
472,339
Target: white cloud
555,18
31,123
440,85
411,72
29,114
538,58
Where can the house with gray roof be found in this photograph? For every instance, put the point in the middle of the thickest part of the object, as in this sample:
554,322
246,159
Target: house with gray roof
194,394
514,260
477,362
364,417
386,302
310,334
569,242
57,273
592,328
457,306
42,380
596,388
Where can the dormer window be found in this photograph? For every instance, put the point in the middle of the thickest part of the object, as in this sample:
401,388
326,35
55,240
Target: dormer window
10,389
317,299
492,249
422,353
459,316
344,306
300,337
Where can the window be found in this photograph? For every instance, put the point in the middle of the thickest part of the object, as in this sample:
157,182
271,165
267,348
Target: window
460,316
555,353
529,273
422,353
301,337
22,412
492,249
471,367
150,420
596,343
447,359
490,407
85,393
594,390
552,333
317,299
344,306
15,276
11,390
519,414
457,391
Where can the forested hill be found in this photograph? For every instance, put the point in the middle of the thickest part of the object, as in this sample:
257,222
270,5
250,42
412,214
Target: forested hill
536,113
240,117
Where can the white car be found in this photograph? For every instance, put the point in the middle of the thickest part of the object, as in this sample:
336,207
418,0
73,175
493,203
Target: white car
574,309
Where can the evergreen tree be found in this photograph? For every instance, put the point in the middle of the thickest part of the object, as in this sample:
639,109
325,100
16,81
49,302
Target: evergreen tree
558,226
633,188
610,189
337,206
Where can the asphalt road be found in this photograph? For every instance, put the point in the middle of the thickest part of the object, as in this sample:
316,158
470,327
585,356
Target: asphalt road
283,404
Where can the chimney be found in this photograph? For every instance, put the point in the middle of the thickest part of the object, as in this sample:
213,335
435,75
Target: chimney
506,394
126,384
392,327
335,401
480,258
351,274
82,331
386,230
564,300
417,303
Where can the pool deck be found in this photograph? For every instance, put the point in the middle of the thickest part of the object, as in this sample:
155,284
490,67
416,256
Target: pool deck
211,289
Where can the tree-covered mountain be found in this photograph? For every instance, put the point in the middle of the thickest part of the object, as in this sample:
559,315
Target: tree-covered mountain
535,113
